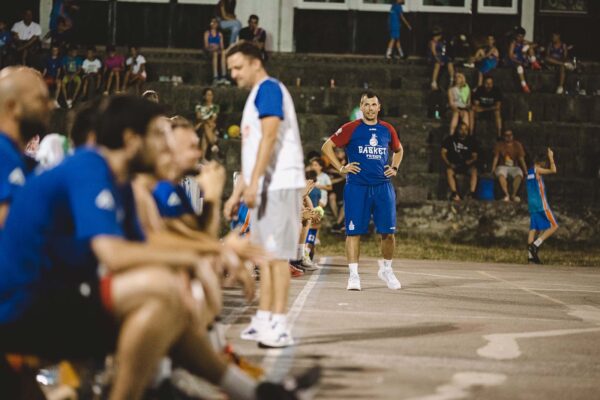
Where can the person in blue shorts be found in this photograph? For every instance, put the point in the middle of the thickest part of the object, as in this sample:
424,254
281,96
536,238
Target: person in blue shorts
395,18
21,88
486,58
369,191
543,223
437,54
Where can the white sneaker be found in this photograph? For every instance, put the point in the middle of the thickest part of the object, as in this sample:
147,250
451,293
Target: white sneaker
256,328
353,282
387,275
277,335
69,103
308,264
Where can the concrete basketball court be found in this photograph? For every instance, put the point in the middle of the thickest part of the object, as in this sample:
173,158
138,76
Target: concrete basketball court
454,331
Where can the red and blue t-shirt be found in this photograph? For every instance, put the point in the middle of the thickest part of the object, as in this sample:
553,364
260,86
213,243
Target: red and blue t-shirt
370,146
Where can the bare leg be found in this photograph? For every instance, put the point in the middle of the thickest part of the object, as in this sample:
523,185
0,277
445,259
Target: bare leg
498,117
265,300
561,80
451,180
451,72
149,304
471,122
473,172
127,75
341,215
454,121
353,248
531,237
77,88
109,82
480,80
399,48
515,185
117,81
503,185
85,88
215,64
436,73
281,285
64,90
548,232
223,65
388,244
390,46
333,204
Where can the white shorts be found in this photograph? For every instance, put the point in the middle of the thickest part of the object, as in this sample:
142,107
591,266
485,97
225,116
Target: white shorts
276,222
507,171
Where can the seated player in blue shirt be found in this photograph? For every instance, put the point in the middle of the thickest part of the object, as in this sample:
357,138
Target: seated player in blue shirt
74,284
24,113
543,223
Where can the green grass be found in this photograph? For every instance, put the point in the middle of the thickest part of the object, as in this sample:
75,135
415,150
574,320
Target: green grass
429,249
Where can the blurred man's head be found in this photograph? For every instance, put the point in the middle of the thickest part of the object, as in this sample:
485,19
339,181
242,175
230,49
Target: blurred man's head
24,103
556,37
2,25
508,136
253,22
72,51
55,51
91,53
186,146
246,65
491,40
488,83
463,130
317,165
27,17
136,129
150,95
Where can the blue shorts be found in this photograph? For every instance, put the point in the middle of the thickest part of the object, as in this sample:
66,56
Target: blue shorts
362,202
394,31
488,64
542,220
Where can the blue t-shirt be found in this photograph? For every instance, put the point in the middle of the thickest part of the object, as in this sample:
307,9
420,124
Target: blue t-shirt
71,64
395,13
171,200
242,220
53,218
13,170
368,145
536,192
53,66
4,38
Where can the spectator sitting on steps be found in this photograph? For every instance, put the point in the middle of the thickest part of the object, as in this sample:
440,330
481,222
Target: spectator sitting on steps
438,56
459,100
521,55
228,20
485,59
255,34
509,161
487,100
27,36
557,54
459,153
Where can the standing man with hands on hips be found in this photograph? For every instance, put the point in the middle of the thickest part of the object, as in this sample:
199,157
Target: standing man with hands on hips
369,191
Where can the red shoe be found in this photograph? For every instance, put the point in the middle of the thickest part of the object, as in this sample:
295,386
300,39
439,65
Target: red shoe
296,272
526,89
536,66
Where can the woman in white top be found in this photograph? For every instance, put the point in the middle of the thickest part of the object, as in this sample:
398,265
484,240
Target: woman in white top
459,100
136,70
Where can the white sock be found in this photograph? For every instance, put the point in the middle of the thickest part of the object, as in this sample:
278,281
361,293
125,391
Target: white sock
388,52
300,251
387,264
279,318
523,83
538,242
401,53
262,315
237,384
353,267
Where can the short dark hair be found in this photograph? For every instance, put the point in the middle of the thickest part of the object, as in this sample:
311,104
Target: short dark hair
247,49
369,94
110,48
310,174
125,112
537,158
150,95
486,77
253,16
91,48
85,120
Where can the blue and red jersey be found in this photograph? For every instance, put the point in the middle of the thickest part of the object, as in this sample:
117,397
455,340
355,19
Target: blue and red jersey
370,146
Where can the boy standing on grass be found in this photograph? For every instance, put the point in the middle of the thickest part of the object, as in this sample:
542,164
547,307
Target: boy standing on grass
394,22
542,218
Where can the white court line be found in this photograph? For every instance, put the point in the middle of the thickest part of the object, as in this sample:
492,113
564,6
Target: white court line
504,346
436,275
274,358
524,288
461,384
